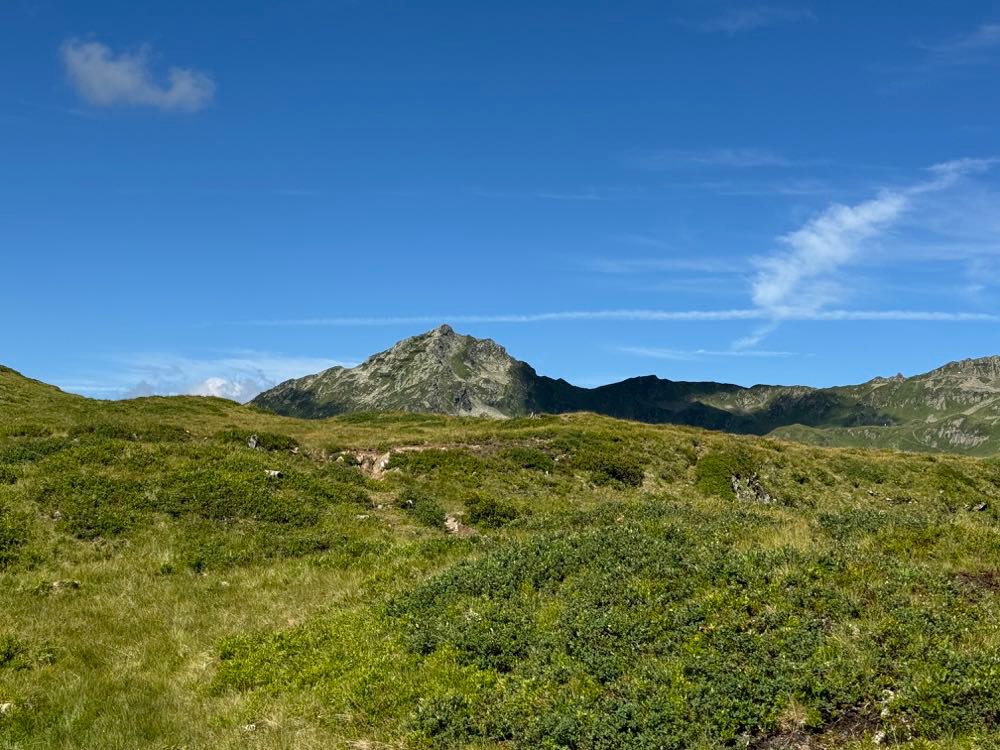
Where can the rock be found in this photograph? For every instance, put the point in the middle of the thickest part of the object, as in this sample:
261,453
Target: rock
453,526
979,507
6,708
252,442
749,488
362,517
274,474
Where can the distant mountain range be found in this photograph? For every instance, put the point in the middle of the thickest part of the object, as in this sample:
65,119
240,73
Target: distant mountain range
953,408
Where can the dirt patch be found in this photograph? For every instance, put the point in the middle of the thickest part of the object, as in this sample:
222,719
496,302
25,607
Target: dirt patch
852,726
983,579
375,464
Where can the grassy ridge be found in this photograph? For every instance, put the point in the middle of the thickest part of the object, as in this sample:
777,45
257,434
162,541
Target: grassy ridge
613,585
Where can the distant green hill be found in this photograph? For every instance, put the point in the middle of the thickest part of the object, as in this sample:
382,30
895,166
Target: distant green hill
954,408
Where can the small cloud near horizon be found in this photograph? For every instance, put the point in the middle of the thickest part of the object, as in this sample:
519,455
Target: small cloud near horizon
238,376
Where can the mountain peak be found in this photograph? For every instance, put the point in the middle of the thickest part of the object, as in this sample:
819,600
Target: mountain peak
438,371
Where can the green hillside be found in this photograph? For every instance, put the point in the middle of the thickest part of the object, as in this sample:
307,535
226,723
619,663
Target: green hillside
421,581
955,408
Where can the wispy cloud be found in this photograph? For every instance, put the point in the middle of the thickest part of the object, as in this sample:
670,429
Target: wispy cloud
728,158
739,20
635,316
974,48
801,277
104,79
629,266
238,375
690,355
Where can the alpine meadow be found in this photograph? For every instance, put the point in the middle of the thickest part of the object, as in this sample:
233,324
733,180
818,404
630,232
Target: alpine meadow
523,375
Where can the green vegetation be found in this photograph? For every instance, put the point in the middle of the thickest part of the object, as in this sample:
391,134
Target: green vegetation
163,584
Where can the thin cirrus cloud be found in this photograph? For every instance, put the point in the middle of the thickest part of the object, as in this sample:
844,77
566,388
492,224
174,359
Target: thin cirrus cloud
692,355
105,79
640,315
801,277
740,20
725,158
973,48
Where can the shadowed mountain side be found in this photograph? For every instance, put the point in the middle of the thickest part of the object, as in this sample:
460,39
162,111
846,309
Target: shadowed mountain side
956,407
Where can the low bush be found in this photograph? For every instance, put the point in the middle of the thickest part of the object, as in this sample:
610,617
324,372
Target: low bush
419,503
437,462
487,511
714,471
90,505
266,441
13,536
611,465
529,458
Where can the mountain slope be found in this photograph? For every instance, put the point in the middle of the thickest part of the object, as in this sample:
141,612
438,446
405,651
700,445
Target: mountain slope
955,408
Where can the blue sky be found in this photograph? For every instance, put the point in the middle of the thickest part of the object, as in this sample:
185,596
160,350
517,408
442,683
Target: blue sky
212,197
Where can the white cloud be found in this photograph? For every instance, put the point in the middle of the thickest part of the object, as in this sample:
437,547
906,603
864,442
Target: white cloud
635,316
801,278
628,266
105,79
738,20
967,49
732,158
686,355
238,376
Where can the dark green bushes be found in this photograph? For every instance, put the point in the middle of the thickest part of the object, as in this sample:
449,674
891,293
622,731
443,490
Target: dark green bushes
91,505
647,635
17,654
611,465
487,511
266,441
437,461
30,449
13,536
419,503
532,459
714,471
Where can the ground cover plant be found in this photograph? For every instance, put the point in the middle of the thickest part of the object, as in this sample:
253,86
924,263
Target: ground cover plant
412,581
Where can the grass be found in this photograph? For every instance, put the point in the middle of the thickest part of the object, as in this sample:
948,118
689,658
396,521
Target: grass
159,588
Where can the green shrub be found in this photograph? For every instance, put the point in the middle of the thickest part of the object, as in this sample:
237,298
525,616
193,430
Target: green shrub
13,536
107,430
529,458
714,471
437,461
91,506
487,511
29,449
266,441
223,494
26,429
422,506
611,465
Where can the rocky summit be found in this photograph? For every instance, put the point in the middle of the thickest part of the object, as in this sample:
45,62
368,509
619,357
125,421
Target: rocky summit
440,371
953,408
